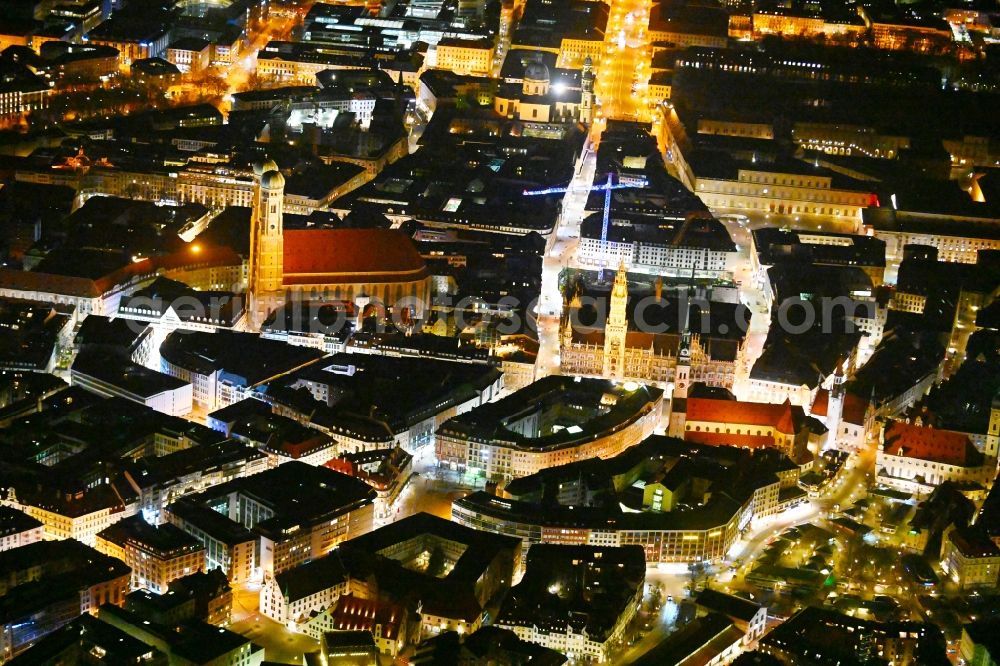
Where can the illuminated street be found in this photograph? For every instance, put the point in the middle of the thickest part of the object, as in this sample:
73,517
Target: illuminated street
243,70
561,254
849,486
280,644
624,71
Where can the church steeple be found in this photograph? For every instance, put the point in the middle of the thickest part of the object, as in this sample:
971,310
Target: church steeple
835,404
587,91
682,371
616,327
267,239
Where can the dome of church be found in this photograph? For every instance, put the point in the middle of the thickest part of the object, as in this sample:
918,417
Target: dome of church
536,71
272,179
260,167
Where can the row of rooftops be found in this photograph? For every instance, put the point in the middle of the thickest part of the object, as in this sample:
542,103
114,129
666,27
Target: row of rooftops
43,573
736,472
14,522
335,24
454,595
162,542
718,164
817,631
30,332
490,422
137,380
138,632
150,472
298,494
87,439
586,588
544,25
338,56
496,169
68,282
974,542
191,641
963,402
370,397
885,104
775,245
246,359
805,359
700,233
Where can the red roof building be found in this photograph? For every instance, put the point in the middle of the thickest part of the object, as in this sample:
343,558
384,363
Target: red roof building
386,620
917,459
748,424
330,256
379,266
930,444
855,410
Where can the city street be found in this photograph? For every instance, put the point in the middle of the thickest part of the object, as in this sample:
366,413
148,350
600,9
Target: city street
238,75
849,486
428,494
561,254
432,489
624,70
280,644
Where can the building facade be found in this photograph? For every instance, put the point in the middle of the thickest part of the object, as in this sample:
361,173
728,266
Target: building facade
662,358
156,555
515,437
917,459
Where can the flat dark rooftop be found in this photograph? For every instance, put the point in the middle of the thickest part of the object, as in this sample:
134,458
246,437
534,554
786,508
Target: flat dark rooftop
313,576
164,541
318,181
727,604
244,357
298,494
13,521
151,471
125,375
593,587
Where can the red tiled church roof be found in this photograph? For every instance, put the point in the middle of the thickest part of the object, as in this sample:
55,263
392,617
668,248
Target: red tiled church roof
48,283
821,403
728,439
314,256
782,417
786,422
924,443
854,410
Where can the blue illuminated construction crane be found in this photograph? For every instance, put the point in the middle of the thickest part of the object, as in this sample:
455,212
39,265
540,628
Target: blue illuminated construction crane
606,188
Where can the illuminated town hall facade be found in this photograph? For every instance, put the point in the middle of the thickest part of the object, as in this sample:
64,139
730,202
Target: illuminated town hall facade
624,352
